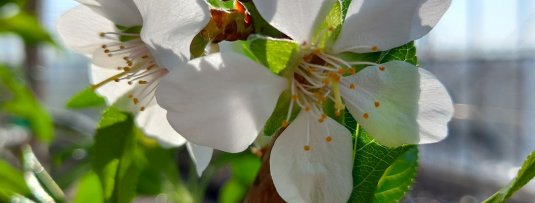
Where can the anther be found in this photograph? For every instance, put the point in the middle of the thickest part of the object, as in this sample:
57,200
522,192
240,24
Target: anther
106,51
142,108
377,104
307,108
322,118
142,82
352,86
116,80
135,100
375,48
130,96
295,97
102,34
328,139
306,148
381,68
104,46
365,115
126,69
130,82
341,71
284,123
121,47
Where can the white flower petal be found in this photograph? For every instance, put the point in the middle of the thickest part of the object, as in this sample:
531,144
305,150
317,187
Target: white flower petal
220,101
80,28
169,26
298,19
387,24
112,91
200,155
398,104
153,122
121,12
322,174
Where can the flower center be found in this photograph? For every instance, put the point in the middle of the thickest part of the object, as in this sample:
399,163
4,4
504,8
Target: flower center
135,64
316,80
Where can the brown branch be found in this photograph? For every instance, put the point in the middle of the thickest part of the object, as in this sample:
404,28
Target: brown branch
263,190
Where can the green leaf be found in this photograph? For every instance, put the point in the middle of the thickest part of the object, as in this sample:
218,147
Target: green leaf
12,182
89,189
371,162
405,53
85,99
222,4
21,103
276,54
27,27
524,175
113,156
398,178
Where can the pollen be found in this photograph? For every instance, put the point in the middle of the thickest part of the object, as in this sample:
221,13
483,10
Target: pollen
381,68
322,118
306,148
365,115
377,104
375,48
352,86
328,139
284,123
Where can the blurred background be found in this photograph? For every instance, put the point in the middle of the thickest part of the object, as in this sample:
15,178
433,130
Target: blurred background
482,50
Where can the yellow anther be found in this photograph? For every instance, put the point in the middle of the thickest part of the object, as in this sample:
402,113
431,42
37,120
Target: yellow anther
110,55
352,86
306,148
325,82
295,97
106,51
102,34
135,100
328,139
330,29
142,82
381,68
284,123
375,48
142,108
126,69
322,118
116,80
365,115
307,109
104,46
130,82
377,104
125,58
130,96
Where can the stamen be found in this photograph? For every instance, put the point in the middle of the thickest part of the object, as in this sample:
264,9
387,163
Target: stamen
365,115
381,68
377,104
